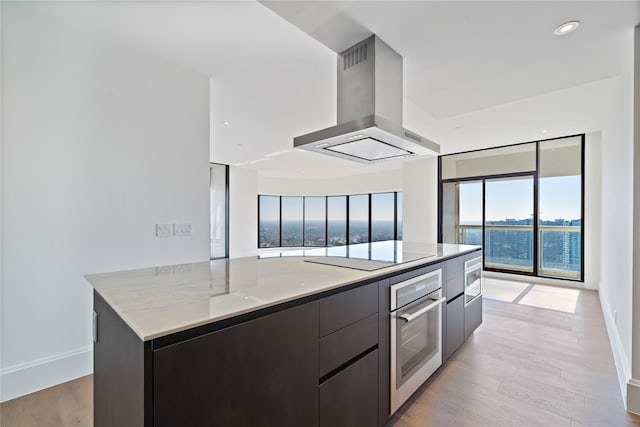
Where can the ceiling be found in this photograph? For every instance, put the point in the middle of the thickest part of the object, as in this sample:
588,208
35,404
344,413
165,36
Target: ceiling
476,73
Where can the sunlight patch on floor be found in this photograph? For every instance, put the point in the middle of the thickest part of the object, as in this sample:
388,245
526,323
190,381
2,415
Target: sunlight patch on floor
502,290
532,295
552,298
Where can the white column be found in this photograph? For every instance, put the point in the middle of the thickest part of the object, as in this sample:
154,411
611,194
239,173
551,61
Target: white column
420,200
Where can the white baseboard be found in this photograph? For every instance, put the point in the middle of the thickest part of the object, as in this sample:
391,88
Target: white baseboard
619,356
633,396
25,378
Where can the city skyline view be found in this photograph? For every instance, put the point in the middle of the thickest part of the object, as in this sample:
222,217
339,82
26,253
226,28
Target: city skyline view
325,221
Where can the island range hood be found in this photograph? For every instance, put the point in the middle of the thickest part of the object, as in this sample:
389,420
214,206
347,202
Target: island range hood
369,128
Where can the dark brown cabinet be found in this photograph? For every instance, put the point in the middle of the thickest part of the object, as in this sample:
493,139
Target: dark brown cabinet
344,345
350,398
453,314
348,391
460,319
472,316
345,308
453,278
263,372
454,321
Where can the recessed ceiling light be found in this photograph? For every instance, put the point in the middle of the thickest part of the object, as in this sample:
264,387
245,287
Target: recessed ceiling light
566,28
225,123
544,131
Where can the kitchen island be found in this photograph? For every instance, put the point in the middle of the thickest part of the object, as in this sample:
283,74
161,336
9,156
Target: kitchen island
268,340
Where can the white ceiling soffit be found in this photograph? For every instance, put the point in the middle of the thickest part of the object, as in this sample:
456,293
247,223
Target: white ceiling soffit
464,56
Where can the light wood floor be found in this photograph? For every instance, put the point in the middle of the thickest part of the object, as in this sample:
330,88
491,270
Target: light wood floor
525,366
68,404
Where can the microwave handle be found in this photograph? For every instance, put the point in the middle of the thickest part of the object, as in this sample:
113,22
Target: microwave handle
408,317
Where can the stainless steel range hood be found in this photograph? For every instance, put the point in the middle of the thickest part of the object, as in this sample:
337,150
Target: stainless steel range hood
369,110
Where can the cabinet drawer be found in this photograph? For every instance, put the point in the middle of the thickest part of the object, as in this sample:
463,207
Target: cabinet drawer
351,398
472,316
345,344
345,308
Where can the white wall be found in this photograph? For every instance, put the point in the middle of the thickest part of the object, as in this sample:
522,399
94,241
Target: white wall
633,389
420,200
378,182
243,212
617,218
592,208
99,143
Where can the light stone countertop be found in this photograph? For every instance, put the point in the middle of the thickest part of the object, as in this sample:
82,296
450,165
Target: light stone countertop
158,301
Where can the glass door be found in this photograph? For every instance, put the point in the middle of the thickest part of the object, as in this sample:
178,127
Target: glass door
462,212
508,224
560,209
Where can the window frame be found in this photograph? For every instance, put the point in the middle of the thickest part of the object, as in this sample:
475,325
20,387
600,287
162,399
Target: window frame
536,213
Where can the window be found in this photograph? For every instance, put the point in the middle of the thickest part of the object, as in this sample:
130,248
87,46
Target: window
331,221
292,221
269,221
383,211
315,221
359,219
218,211
523,203
336,221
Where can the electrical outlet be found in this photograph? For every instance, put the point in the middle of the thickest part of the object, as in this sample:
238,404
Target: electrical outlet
182,268
163,230
166,269
182,229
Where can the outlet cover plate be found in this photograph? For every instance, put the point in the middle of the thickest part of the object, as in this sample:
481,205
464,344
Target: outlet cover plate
163,230
182,229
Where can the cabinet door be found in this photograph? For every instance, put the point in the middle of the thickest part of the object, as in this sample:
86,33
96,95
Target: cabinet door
454,336
472,316
350,398
263,372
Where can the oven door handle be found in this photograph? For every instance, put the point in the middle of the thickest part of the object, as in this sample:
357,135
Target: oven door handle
408,317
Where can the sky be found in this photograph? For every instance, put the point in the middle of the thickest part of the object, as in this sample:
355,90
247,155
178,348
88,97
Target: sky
513,198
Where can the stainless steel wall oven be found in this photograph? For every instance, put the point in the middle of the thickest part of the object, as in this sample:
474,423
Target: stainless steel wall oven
472,279
416,334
